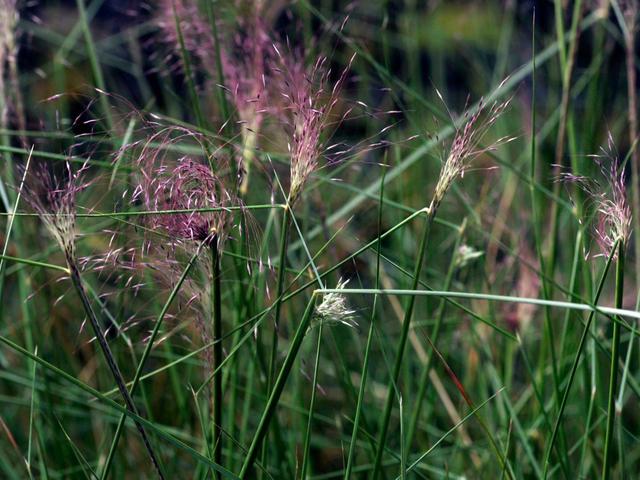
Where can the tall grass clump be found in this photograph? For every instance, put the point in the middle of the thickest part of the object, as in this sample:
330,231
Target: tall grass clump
317,240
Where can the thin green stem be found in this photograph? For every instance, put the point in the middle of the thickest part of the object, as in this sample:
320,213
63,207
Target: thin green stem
282,268
312,404
367,350
574,367
95,64
386,414
609,311
111,362
278,387
35,263
187,70
216,418
220,92
613,371
424,376
284,240
137,213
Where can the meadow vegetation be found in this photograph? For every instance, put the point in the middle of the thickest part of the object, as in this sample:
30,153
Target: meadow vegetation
372,239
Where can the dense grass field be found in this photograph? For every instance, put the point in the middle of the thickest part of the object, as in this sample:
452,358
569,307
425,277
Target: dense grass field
319,239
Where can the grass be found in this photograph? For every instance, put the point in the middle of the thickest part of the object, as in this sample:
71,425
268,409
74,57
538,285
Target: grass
484,332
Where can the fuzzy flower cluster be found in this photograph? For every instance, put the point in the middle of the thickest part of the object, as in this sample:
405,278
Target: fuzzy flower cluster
466,146
613,223
195,197
181,23
54,200
188,194
189,208
334,309
246,57
309,106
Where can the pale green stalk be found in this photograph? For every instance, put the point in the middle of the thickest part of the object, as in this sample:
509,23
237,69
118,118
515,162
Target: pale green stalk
613,371
278,387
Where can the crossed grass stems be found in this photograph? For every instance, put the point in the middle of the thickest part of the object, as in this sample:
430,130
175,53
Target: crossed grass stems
429,214
281,380
411,293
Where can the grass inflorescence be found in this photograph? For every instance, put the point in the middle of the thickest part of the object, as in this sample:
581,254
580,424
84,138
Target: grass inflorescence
250,239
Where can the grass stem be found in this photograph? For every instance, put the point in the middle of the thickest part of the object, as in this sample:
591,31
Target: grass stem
216,417
613,372
111,362
386,413
278,387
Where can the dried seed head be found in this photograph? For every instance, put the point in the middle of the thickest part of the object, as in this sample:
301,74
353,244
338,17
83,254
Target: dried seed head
54,200
609,198
466,146
309,102
334,309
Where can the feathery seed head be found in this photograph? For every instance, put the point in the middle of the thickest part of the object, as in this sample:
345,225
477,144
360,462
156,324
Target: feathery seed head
246,58
191,200
466,146
334,309
245,53
613,222
246,65
309,102
181,19
54,200
191,185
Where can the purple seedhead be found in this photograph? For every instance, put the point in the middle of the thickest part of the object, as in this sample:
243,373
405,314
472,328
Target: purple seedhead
191,201
309,103
53,197
466,145
248,65
245,53
609,197
190,213
246,57
195,196
247,62
194,29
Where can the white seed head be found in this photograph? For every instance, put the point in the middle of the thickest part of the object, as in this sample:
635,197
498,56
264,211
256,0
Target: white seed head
466,254
334,309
